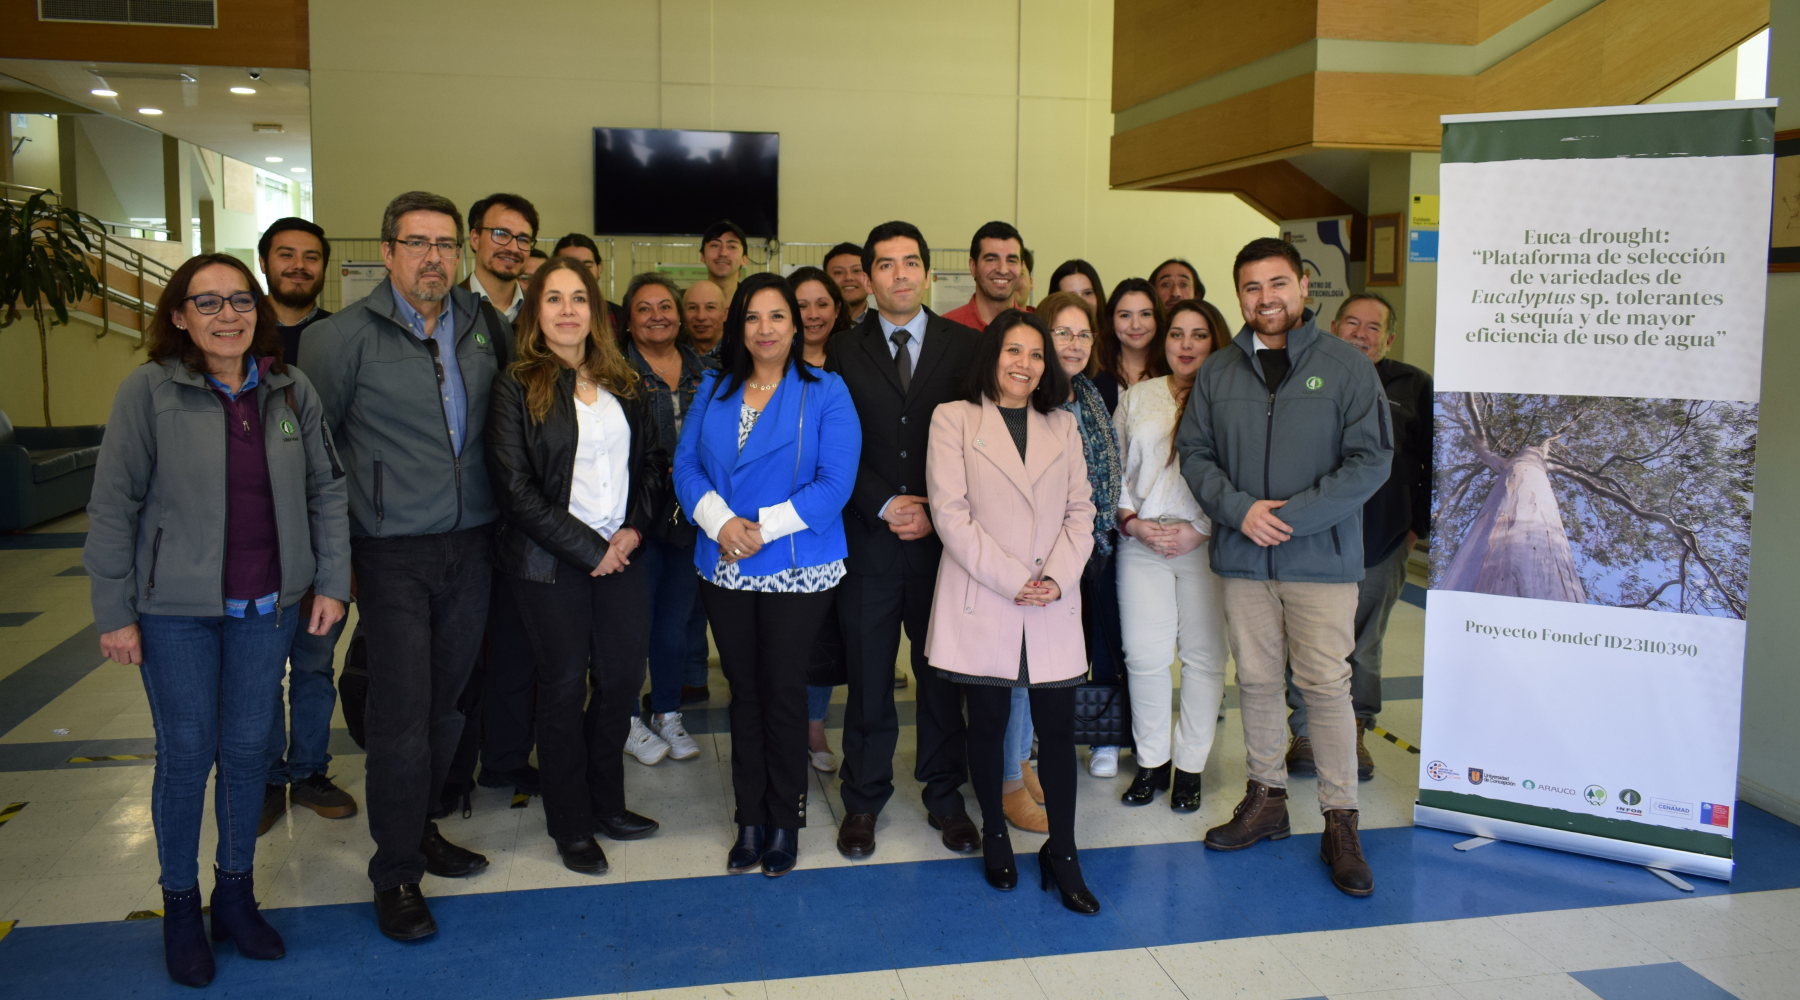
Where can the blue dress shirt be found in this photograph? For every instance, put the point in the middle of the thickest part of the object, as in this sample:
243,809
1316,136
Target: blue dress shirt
456,397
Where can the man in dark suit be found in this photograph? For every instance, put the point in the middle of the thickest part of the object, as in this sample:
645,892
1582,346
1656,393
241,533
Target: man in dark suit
900,362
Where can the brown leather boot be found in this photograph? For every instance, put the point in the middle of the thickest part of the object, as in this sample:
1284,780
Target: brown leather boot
1341,848
1262,814
1300,761
1365,764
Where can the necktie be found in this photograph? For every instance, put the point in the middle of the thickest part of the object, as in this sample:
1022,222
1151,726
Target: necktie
903,359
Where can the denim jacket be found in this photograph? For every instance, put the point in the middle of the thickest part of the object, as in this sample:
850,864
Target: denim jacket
670,406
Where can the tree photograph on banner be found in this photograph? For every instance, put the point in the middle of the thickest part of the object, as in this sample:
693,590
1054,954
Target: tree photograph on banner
1617,501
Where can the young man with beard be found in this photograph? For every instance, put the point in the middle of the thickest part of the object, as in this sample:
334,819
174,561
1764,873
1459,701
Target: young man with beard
293,254
997,260
1286,435
501,230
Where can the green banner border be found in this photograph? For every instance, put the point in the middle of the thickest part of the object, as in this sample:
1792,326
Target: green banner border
1717,132
1692,841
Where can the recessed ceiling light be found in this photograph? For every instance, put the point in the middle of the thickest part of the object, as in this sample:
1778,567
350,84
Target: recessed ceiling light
243,90
271,159
103,92
149,111
298,170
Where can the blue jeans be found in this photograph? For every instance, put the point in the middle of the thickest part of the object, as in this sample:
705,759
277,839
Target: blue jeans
306,734
1016,747
212,684
818,701
674,601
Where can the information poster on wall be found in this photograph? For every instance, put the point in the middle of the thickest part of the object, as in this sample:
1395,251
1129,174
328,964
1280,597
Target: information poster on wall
1324,253
1599,354
359,278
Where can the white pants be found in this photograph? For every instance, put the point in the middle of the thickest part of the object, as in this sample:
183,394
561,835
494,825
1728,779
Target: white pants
1165,604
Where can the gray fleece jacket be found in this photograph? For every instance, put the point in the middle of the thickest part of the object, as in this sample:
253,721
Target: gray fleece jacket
156,518
1322,441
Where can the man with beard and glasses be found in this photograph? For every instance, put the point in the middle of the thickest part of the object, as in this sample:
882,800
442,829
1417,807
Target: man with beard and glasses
293,254
501,230
1285,436
403,376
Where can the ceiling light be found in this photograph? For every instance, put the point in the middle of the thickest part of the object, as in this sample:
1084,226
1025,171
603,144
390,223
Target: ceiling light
103,92
271,159
243,90
298,170
149,111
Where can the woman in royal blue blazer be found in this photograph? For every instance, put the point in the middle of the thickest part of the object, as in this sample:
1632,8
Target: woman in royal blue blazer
768,454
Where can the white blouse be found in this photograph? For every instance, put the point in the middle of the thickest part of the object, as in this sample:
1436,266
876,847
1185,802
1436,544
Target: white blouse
1150,484
602,477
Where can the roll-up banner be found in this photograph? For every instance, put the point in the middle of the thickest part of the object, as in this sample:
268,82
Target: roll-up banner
1601,278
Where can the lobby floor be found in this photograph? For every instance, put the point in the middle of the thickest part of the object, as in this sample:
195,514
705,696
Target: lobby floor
78,875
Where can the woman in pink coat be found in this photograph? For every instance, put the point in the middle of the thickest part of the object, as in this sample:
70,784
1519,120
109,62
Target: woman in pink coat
1010,499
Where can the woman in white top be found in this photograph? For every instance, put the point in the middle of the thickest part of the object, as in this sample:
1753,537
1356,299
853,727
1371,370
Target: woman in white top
576,466
1169,598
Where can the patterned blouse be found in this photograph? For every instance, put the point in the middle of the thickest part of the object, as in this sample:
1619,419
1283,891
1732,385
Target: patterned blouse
1100,447
798,580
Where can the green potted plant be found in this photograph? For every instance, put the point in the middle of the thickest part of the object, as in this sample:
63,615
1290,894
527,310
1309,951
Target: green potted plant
44,251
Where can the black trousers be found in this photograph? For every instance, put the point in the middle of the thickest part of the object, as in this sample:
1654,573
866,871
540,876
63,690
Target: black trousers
424,602
765,644
585,626
872,609
1053,715
500,699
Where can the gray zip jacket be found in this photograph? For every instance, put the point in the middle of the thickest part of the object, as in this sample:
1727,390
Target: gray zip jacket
379,386
156,519
1321,441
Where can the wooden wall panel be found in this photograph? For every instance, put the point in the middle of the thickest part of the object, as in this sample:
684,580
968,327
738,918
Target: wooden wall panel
1450,22
250,33
1386,110
1494,15
1164,45
1278,190
1261,124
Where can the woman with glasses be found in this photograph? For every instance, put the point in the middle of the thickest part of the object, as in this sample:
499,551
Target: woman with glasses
218,528
766,463
1169,599
822,316
1072,328
1132,318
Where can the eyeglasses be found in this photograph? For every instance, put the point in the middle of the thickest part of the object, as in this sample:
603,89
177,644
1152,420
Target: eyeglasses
1064,335
505,237
208,304
419,247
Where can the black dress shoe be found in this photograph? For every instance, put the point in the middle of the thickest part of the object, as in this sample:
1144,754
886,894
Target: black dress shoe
1064,872
274,807
402,914
692,694
781,851
522,779
746,855
1184,791
584,856
960,834
997,862
856,836
1148,782
446,860
626,826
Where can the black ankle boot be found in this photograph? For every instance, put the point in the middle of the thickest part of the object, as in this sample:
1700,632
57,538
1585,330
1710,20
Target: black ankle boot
1184,791
185,951
235,917
1148,782
746,855
1065,873
997,862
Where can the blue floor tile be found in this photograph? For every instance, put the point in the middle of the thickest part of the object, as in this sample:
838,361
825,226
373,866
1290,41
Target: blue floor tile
1668,981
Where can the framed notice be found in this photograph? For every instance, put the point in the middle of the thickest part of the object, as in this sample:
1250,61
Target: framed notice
1385,247
1784,227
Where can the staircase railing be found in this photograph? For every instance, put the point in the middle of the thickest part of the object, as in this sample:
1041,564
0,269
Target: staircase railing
130,280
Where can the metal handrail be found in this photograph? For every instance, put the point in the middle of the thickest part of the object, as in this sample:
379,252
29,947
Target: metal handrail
108,248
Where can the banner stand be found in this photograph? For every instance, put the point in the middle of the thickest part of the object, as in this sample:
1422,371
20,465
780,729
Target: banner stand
1647,855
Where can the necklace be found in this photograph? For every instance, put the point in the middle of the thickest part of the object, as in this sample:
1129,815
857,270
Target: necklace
581,383
759,387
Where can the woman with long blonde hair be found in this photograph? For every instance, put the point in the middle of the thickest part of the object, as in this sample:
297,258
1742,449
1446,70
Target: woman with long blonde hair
577,470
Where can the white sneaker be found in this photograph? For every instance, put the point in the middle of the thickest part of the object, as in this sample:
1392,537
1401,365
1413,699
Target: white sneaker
1104,762
643,744
823,760
669,727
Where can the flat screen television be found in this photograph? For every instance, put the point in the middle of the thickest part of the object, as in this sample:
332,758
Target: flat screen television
677,182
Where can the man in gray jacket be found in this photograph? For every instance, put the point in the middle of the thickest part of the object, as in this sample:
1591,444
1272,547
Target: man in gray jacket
404,377
1285,435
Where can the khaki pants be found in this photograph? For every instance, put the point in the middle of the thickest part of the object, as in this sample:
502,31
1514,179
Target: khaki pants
1309,626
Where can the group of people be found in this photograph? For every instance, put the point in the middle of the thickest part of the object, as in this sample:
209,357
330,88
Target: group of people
535,495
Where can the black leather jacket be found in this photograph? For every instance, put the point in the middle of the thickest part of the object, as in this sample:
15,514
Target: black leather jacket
532,468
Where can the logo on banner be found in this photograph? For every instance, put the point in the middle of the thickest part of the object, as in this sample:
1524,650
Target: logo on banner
1440,771
1630,797
1596,795
1672,809
1474,775
1713,814
1529,784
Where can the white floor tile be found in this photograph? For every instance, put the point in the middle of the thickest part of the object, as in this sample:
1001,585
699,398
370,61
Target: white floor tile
1776,915
1242,968
1460,951
1769,976
1577,940
883,985
1103,975
80,899
723,991
1411,993
1691,929
1354,961
1008,980
1557,986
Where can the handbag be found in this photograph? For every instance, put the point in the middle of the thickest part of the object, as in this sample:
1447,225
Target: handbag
1103,715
